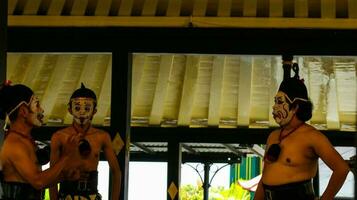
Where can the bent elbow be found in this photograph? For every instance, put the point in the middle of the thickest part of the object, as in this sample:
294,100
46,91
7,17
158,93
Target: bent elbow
345,169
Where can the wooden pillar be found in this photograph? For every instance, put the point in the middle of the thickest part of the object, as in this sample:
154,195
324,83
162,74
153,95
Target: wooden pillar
3,56
3,40
173,170
120,113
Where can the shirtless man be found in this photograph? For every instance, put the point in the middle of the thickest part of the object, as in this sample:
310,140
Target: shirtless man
22,174
291,159
82,106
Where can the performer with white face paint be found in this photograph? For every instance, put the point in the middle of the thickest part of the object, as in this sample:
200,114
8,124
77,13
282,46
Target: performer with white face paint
22,174
291,158
82,106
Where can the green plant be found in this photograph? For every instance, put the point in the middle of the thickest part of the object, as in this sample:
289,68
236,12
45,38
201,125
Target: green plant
235,192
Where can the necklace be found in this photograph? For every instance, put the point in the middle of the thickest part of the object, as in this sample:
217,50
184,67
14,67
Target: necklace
23,136
281,138
84,130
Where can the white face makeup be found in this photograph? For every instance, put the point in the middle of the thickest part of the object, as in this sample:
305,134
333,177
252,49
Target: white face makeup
82,110
281,111
36,112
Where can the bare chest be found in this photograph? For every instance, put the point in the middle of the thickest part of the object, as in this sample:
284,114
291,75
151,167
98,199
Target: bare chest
296,151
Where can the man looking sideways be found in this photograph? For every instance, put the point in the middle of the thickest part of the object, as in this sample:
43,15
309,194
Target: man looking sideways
291,158
22,174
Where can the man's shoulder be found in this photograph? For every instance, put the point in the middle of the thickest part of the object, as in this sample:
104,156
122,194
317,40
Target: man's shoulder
14,145
63,131
98,131
312,130
274,132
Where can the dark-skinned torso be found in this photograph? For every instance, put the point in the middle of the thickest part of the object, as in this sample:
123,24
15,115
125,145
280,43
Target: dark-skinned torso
297,160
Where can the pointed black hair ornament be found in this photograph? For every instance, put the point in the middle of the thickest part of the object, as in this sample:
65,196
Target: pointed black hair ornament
293,87
84,92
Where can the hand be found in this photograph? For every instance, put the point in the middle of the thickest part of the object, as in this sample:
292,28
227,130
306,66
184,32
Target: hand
71,145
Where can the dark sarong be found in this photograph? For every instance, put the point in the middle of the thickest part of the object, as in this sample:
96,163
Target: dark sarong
293,191
81,189
20,191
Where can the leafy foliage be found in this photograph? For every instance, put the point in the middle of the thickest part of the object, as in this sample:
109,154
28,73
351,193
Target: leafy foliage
235,192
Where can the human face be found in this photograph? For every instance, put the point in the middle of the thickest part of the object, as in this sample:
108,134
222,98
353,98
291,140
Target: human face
36,112
82,110
281,109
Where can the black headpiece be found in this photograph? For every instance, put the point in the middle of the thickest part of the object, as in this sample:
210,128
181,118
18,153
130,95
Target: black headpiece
84,92
11,98
293,87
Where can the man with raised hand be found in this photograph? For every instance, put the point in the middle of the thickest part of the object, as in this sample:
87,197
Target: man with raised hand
82,106
22,175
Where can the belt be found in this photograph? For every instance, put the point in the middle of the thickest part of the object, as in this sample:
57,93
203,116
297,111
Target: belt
20,191
85,186
293,191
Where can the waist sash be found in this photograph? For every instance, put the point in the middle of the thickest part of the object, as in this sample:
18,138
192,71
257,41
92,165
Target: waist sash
86,186
20,191
302,190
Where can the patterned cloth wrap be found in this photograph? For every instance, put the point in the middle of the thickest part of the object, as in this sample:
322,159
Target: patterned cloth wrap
81,189
20,191
302,190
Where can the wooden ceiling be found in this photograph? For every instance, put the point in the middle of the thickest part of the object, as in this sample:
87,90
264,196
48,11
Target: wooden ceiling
185,13
196,90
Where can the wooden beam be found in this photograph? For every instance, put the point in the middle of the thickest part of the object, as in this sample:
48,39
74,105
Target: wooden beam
216,91
20,69
31,7
250,8
79,7
328,9
301,8
138,66
33,68
157,109
352,9
276,8
104,98
229,101
144,99
54,85
245,87
56,7
149,8
224,8
126,7
211,22
199,8
251,22
200,101
103,8
188,91
173,8
11,6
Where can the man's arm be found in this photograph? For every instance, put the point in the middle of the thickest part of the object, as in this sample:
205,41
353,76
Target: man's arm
259,193
28,169
114,166
334,161
54,158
